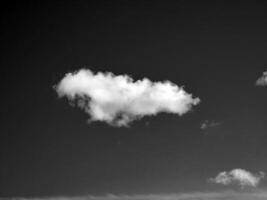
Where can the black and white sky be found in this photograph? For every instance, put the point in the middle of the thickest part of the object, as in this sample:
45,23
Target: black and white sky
134,100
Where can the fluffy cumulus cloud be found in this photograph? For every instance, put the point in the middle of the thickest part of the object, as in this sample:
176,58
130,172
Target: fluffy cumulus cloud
221,195
118,100
238,176
262,81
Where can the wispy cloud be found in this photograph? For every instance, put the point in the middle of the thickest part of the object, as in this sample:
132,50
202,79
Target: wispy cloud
262,81
209,124
240,177
221,195
119,100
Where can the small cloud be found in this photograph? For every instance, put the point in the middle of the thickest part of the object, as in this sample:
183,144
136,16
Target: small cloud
262,81
209,124
240,177
119,100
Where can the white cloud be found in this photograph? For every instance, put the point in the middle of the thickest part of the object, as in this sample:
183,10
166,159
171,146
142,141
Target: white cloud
209,124
262,81
238,176
220,195
118,100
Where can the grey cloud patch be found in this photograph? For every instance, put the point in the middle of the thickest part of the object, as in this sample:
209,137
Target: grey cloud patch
241,177
262,81
119,100
222,195
209,124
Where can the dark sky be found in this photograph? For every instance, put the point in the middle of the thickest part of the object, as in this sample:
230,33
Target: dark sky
216,50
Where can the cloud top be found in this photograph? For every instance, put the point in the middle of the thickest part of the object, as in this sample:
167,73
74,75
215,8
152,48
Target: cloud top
238,176
262,81
119,100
